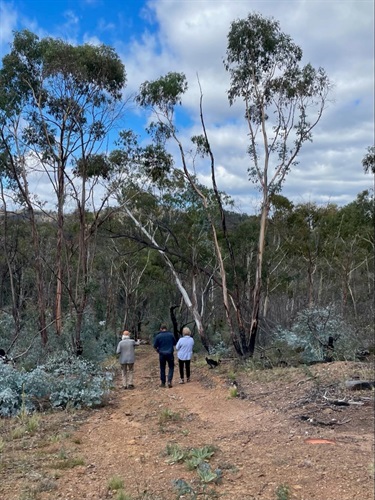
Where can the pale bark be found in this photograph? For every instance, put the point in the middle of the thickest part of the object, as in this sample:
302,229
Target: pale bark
192,305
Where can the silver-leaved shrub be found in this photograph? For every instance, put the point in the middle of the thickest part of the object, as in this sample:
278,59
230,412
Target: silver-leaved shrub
311,333
64,380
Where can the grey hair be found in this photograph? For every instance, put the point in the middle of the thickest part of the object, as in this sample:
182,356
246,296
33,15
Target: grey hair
186,331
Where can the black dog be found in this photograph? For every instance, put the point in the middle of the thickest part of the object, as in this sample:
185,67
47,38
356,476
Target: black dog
4,358
212,363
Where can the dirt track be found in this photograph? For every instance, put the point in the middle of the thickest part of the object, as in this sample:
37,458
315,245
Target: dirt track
258,449
260,443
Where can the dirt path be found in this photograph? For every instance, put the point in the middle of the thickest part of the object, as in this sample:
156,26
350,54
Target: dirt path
258,449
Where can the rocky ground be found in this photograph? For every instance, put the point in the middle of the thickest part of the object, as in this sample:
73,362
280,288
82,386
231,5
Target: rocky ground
286,433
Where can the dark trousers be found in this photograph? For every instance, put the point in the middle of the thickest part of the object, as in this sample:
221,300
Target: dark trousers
163,360
181,364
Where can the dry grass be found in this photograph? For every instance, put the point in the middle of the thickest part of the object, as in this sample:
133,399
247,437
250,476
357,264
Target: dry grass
31,451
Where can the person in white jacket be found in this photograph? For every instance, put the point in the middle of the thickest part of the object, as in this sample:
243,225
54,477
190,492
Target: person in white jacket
125,349
184,348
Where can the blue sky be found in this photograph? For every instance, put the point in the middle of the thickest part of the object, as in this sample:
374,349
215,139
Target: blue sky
156,36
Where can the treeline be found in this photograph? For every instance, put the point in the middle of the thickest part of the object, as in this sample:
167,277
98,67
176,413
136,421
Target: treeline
316,258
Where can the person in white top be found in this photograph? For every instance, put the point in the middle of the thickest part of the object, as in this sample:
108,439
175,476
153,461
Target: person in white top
184,348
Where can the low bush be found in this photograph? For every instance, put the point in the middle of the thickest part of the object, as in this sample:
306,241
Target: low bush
63,381
321,334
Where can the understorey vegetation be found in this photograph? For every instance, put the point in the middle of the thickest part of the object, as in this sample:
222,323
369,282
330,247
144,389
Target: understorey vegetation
63,382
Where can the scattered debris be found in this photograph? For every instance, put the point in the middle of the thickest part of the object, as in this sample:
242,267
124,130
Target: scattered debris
319,441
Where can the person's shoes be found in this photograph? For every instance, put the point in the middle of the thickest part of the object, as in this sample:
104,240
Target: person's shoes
162,385
131,386
169,384
181,381
187,380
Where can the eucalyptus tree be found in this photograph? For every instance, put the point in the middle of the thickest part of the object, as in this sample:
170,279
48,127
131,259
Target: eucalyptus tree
157,198
182,258
283,102
351,255
161,97
329,259
59,103
368,161
13,154
8,264
264,65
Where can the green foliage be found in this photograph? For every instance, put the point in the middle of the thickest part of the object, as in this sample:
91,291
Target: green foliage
97,165
63,381
183,488
198,456
115,483
233,392
195,459
56,88
165,92
10,391
283,492
220,349
69,463
18,432
32,424
312,330
175,453
29,424
263,63
368,161
206,475
168,415
121,495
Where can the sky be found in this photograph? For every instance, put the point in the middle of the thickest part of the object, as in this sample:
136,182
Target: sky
157,36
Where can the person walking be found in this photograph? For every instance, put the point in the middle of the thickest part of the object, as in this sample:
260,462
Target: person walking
164,343
126,351
184,348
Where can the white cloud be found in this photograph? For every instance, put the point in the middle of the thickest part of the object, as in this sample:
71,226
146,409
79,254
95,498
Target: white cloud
8,22
190,36
335,35
92,40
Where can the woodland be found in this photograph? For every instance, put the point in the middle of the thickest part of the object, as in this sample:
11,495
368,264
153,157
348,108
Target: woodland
135,240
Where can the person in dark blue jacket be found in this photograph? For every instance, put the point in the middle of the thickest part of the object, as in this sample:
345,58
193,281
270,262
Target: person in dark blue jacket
164,343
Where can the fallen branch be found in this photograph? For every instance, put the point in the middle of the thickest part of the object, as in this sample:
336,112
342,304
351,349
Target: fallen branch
333,422
305,380
342,402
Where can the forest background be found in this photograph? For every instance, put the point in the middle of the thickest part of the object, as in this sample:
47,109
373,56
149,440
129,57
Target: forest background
293,283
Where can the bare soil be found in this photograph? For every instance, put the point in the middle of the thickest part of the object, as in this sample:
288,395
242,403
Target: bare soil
286,435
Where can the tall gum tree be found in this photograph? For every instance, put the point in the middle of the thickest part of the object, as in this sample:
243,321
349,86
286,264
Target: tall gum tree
64,99
156,173
161,97
283,102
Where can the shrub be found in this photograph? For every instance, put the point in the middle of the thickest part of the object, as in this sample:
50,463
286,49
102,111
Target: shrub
283,492
62,381
311,332
115,483
10,402
221,349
